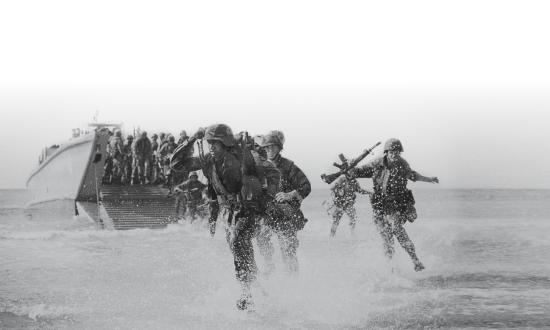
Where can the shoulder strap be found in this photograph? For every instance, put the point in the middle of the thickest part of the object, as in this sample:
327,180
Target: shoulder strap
217,182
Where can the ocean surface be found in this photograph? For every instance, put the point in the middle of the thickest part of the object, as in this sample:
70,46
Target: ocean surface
486,252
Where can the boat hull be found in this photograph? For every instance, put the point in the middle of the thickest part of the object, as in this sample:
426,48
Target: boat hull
70,173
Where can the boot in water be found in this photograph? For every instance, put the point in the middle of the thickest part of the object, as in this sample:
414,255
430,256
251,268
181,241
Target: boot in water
245,303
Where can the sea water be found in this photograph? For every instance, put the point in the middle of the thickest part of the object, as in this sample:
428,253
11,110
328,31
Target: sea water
486,252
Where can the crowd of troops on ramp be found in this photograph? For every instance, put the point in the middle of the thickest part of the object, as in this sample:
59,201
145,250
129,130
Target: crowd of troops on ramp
257,193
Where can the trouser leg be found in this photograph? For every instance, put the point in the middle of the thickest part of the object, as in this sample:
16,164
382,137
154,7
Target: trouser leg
213,210
403,237
192,207
240,243
265,245
288,240
352,214
336,217
128,167
108,168
178,206
243,254
385,230
135,170
141,170
116,168
146,172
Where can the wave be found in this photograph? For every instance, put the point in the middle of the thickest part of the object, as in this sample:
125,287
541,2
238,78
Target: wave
516,281
38,311
92,232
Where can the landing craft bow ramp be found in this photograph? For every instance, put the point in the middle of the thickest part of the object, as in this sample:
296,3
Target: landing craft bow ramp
128,207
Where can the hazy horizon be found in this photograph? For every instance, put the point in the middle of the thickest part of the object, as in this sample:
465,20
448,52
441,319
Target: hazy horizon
465,86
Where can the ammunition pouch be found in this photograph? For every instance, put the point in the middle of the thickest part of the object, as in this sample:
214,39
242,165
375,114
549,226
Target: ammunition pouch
251,189
402,203
284,216
235,209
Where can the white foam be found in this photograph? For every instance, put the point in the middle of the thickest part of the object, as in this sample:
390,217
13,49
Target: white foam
42,311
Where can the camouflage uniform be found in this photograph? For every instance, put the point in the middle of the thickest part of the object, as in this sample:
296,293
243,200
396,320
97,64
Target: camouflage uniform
108,166
166,150
154,168
392,202
116,148
192,189
127,159
285,218
270,178
141,150
227,171
343,196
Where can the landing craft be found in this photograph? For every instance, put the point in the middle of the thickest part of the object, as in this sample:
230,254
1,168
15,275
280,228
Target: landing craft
69,178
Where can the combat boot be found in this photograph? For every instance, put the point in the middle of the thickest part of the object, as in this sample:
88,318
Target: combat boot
245,303
418,266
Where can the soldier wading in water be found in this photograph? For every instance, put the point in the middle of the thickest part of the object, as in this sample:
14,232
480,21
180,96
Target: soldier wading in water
231,173
283,215
392,202
343,193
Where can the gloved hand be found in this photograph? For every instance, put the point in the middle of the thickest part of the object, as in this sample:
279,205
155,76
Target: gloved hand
287,197
351,173
199,134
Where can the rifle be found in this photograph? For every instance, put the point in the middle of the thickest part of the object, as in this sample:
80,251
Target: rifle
346,165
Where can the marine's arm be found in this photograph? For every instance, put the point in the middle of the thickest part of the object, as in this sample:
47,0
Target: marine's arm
120,147
300,183
415,176
419,177
365,171
182,186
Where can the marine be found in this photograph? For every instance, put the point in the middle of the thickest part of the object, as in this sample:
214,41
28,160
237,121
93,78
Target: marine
392,202
141,151
270,180
227,168
343,192
189,195
154,168
127,159
285,217
165,152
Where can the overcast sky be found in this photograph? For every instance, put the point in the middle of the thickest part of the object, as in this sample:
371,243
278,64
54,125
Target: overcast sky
465,84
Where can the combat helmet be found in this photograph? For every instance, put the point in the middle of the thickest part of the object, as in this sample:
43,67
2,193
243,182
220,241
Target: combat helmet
274,138
220,132
393,144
